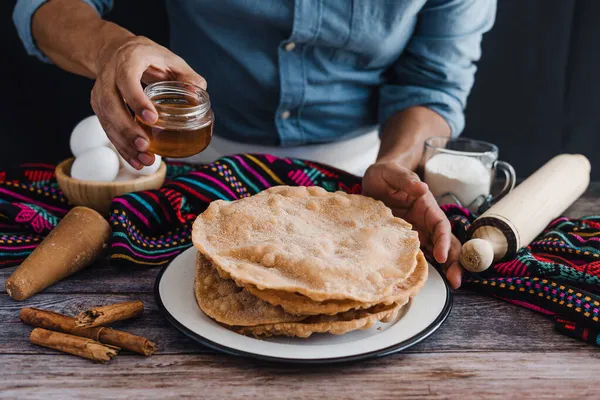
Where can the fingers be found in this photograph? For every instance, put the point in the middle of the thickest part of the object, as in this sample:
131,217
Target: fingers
452,269
152,68
439,227
146,158
441,247
428,217
454,275
119,82
154,74
127,136
172,68
185,73
400,200
401,179
411,199
455,271
395,185
129,74
402,197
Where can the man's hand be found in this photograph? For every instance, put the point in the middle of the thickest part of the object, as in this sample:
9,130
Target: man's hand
72,35
121,67
410,199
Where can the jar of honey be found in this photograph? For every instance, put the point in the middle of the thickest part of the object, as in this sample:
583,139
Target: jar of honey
185,119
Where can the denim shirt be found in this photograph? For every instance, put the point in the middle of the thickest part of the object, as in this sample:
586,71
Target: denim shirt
294,72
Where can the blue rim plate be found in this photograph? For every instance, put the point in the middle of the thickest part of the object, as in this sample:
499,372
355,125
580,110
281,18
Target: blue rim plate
423,315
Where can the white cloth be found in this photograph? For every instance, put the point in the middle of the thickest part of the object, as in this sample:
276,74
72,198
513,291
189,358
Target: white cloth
352,155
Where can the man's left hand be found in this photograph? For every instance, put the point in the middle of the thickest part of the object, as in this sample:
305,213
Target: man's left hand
410,199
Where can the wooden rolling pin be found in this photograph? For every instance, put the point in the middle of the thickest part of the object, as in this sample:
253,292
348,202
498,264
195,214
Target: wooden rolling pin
523,214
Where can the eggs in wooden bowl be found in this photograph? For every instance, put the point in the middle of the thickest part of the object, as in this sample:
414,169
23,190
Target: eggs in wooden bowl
98,195
97,173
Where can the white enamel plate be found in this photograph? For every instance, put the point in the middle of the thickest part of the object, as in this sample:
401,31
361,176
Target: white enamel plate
174,293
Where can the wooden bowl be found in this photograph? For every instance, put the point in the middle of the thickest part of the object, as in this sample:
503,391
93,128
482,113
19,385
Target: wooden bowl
99,195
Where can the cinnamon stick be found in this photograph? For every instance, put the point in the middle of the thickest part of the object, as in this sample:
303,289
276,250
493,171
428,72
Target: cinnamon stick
105,315
78,346
63,323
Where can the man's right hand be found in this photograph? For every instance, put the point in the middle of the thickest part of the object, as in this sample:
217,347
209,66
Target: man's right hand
77,39
121,66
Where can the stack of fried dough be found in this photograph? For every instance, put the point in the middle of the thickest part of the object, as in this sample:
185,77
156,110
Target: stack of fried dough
300,260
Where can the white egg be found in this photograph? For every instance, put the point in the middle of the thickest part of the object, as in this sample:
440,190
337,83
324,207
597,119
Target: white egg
149,170
98,164
87,134
125,175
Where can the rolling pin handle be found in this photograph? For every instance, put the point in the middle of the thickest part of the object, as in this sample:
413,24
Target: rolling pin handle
477,255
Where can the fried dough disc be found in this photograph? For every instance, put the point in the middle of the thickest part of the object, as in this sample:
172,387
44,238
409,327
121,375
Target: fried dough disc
322,245
299,304
229,304
337,324
295,303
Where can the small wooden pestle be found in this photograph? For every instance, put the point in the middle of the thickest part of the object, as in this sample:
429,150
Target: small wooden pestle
76,242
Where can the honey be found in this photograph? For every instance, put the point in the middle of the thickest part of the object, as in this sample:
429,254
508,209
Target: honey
185,119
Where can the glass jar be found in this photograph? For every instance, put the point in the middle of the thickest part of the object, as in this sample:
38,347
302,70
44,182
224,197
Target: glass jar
462,171
185,119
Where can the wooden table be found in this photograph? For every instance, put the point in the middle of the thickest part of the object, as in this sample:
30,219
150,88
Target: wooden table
486,349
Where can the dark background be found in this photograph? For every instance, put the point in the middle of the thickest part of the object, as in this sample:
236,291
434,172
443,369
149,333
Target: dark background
537,91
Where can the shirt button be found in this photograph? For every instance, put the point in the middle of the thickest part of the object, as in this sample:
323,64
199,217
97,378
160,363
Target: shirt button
290,46
285,115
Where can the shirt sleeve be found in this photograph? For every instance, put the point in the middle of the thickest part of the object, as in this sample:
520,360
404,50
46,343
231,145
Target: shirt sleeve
437,68
23,14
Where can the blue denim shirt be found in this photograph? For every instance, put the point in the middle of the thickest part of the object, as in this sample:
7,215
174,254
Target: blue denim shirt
283,72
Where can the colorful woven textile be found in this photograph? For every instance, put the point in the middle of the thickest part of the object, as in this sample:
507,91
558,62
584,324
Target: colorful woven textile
557,275
578,331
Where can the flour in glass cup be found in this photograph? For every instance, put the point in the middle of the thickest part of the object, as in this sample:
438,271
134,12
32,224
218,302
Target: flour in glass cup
465,177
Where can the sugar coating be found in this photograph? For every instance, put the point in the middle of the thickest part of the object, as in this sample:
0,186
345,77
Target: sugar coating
295,303
322,245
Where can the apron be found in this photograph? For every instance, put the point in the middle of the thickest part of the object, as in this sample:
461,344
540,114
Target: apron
353,155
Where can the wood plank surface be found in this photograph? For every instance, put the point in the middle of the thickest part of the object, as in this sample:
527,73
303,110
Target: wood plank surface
486,349
476,324
424,375
101,278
